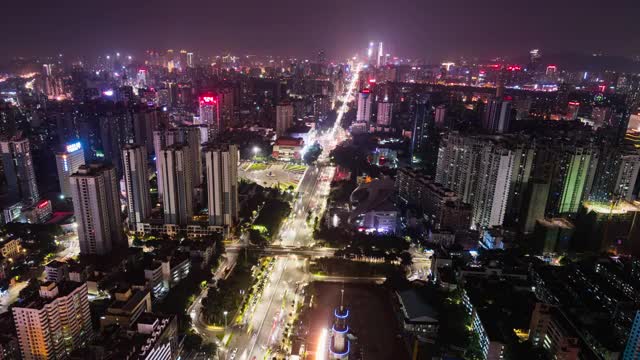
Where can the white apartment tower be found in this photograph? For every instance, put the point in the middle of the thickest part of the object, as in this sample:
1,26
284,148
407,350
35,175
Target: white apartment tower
177,183
221,164
136,181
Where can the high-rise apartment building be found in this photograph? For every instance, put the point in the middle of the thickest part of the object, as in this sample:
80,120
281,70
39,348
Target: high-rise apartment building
96,205
177,183
497,116
617,173
221,164
68,163
18,169
385,113
479,170
440,117
493,183
190,135
364,106
210,114
55,323
284,117
136,181
578,175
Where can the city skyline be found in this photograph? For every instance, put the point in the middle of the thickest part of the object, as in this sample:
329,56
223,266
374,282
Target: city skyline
431,31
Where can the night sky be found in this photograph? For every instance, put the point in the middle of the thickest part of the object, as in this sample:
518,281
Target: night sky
432,30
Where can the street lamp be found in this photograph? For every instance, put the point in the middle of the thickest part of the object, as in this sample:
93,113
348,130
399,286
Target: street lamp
256,151
225,318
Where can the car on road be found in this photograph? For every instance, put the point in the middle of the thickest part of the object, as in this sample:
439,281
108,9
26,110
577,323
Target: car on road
233,354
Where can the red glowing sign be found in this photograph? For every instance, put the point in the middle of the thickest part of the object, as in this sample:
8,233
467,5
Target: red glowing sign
207,99
366,91
574,103
372,81
514,68
43,204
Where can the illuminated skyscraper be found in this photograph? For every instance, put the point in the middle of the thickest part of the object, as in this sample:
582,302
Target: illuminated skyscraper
136,181
284,117
221,166
380,55
210,114
18,169
364,106
68,163
370,52
177,183
96,206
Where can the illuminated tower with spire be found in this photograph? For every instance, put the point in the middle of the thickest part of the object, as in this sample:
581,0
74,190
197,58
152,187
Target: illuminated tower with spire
340,344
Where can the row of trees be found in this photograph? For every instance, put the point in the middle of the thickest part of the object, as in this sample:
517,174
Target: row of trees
228,293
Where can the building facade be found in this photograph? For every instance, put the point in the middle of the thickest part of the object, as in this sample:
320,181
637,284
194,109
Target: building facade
222,184
96,206
136,181
56,323
18,169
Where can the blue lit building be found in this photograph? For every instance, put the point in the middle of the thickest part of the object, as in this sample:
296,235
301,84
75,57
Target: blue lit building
340,345
632,350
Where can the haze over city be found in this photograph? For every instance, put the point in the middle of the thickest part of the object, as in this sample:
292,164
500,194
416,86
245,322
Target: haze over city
432,30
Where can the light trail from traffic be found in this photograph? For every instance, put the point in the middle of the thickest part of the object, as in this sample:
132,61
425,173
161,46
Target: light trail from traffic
344,107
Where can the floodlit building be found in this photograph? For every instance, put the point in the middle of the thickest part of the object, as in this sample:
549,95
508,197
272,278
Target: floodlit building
68,163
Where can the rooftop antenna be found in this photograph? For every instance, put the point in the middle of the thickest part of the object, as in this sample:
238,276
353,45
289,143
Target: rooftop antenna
342,298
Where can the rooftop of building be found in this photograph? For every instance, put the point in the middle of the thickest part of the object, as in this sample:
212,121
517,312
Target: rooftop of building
417,309
375,195
126,300
64,288
92,169
289,141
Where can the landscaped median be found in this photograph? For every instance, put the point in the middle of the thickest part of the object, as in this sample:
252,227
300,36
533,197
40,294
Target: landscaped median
260,279
237,295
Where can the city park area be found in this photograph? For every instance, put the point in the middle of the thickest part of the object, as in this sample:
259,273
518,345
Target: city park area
270,174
